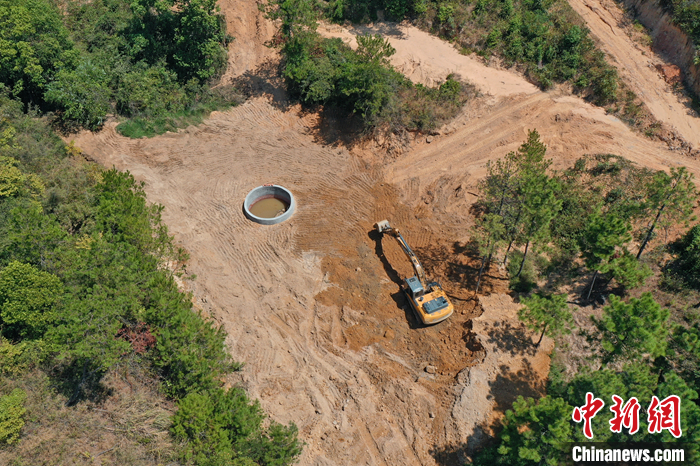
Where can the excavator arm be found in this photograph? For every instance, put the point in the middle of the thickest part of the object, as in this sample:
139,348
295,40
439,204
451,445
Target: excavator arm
428,301
384,227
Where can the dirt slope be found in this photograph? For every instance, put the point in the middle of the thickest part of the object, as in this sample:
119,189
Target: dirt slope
250,31
636,65
312,306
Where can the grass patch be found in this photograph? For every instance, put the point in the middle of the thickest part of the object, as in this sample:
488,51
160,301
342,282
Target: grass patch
145,125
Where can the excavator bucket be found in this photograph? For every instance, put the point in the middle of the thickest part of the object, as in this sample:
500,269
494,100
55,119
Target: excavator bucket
382,226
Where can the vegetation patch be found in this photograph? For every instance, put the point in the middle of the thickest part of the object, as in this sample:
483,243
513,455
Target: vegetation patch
327,72
546,39
85,292
148,61
599,218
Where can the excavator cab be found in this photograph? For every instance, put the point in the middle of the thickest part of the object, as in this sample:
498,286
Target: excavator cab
428,300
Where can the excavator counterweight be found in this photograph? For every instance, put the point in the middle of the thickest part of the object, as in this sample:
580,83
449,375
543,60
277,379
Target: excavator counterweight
428,300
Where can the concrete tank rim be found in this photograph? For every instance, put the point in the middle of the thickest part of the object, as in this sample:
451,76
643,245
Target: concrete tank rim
259,191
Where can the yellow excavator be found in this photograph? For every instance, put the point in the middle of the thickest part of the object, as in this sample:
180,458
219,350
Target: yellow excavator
428,300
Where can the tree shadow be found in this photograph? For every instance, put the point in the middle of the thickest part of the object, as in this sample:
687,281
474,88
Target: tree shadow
387,29
330,125
511,339
600,293
265,80
443,261
336,127
472,341
80,381
456,454
504,390
508,385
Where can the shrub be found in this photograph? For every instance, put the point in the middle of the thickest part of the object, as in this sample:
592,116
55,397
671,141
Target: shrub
12,413
220,425
28,297
82,94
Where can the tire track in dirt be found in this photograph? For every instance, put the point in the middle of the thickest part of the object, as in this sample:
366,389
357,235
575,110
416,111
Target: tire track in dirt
570,127
326,336
260,282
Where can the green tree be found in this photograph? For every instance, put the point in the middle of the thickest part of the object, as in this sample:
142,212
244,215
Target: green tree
297,17
632,380
489,235
190,35
670,199
627,270
34,44
13,182
550,313
200,39
498,200
673,384
374,48
222,425
534,432
12,413
28,299
82,94
634,329
604,237
537,192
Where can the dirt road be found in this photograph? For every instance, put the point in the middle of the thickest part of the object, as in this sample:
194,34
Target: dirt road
428,60
636,66
313,306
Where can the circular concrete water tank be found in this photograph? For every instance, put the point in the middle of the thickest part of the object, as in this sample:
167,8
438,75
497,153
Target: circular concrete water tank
265,193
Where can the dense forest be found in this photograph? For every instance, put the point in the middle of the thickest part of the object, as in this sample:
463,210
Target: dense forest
87,269
598,231
87,288
148,61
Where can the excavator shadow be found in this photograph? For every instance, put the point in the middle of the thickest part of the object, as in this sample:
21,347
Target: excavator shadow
399,296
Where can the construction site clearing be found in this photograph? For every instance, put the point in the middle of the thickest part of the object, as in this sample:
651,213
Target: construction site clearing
314,305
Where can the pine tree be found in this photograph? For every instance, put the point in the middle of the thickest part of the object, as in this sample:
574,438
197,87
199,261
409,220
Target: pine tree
634,330
670,199
550,313
537,195
497,198
536,432
604,237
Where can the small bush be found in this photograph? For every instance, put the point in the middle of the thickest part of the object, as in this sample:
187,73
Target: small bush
27,299
12,413
527,280
220,425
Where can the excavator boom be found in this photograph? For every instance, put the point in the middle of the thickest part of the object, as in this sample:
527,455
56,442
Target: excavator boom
428,300
384,227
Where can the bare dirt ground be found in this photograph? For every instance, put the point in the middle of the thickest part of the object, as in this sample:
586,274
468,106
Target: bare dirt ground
313,306
637,66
